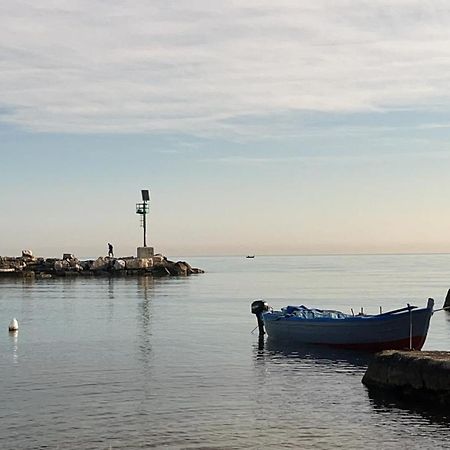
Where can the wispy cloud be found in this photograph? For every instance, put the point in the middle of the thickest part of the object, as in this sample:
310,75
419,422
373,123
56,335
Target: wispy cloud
341,158
199,67
431,126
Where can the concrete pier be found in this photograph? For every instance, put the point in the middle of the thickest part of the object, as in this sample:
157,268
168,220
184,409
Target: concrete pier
423,376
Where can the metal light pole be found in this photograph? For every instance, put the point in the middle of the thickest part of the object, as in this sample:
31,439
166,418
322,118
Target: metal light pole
142,209
145,229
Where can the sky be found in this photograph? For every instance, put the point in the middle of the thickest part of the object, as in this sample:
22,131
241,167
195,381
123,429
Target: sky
259,127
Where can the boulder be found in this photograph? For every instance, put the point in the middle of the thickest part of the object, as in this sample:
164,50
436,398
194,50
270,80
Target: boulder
138,263
87,265
100,263
17,264
27,254
160,271
158,259
61,265
73,262
119,264
39,265
51,261
190,270
180,268
183,268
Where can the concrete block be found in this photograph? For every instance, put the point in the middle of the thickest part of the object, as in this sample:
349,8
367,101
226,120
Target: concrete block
145,252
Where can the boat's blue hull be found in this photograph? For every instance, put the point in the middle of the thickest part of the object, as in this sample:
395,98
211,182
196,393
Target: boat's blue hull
401,330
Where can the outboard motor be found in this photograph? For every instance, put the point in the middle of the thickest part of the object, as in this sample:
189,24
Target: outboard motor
258,308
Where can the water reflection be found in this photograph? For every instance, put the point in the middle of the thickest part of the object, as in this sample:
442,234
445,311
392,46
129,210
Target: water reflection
110,304
111,288
13,338
145,286
144,291
388,402
326,356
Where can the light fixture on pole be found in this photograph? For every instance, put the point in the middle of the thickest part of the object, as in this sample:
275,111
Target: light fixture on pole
142,209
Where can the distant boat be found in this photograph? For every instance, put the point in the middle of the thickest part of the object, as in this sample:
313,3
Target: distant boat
404,328
250,256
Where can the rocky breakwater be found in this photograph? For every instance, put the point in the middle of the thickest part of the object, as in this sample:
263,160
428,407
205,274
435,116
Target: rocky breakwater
29,266
420,376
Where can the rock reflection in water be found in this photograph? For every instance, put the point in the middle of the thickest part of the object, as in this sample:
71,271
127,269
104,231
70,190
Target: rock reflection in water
385,401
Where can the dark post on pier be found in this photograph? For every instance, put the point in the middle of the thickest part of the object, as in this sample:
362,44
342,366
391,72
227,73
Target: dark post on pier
142,209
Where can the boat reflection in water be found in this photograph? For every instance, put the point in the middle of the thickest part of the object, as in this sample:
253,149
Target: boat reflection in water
330,358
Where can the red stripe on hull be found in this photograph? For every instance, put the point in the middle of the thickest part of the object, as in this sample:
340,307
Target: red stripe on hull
401,344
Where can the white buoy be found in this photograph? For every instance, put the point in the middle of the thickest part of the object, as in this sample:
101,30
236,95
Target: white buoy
13,325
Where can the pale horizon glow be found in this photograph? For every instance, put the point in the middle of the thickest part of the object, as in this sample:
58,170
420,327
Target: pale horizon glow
287,128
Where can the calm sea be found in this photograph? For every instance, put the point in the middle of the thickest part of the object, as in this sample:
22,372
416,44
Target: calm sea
137,363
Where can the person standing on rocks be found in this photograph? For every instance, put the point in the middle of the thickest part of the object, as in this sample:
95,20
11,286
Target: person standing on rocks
110,250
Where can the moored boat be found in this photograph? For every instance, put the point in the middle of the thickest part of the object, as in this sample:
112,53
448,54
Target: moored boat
404,328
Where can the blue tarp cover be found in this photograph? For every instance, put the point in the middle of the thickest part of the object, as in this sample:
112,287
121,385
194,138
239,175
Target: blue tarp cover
312,313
